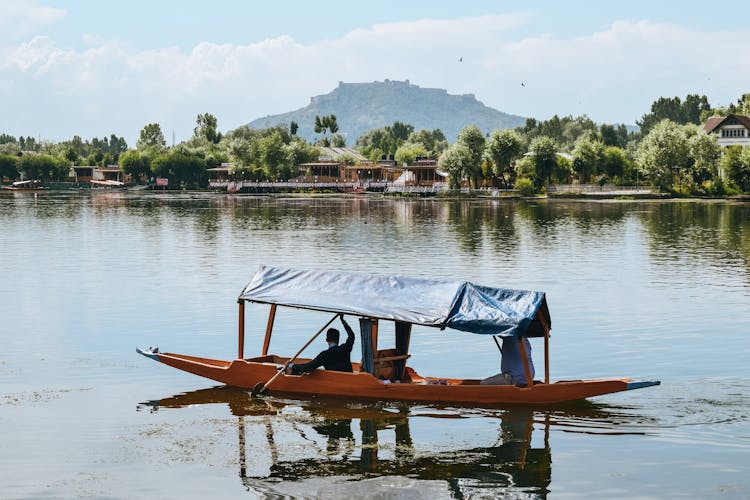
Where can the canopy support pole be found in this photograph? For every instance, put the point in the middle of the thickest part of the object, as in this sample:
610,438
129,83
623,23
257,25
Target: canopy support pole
546,356
269,329
545,325
241,330
525,357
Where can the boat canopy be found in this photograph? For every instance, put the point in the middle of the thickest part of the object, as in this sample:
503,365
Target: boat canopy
459,305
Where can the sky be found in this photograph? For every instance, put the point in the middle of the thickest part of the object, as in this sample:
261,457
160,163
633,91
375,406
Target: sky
93,68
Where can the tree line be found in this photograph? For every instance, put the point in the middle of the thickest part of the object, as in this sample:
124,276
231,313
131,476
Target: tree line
669,150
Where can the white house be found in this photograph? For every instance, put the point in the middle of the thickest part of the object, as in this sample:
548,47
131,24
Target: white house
731,130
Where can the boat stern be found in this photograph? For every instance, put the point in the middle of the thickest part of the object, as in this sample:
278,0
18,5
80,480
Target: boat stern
149,352
640,384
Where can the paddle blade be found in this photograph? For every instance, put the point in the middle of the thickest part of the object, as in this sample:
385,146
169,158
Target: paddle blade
259,390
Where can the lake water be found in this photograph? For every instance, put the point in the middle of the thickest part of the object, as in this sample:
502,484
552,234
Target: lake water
653,289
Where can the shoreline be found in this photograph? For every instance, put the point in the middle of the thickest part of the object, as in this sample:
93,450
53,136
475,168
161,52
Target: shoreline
616,196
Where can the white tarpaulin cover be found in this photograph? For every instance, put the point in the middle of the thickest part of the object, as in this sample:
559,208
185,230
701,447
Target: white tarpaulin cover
441,303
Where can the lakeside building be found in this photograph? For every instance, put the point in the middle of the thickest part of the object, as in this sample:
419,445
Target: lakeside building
88,173
331,168
730,130
219,174
330,165
423,172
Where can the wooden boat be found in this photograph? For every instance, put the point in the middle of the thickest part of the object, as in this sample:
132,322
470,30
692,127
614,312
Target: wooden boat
384,374
28,185
108,184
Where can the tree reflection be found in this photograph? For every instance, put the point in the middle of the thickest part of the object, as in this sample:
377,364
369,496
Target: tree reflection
716,233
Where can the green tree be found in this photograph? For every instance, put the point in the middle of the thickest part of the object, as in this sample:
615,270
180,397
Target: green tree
587,157
239,150
453,160
503,148
215,159
664,152
433,140
615,163
564,131
274,157
293,127
471,137
705,153
117,146
612,136
401,131
674,109
743,105
206,128
385,140
71,155
43,167
544,157
524,168
182,169
347,159
298,151
376,142
7,139
333,125
325,124
27,143
135,163
8,166
525,186
152,138
562,172
736,166
692,108
408,153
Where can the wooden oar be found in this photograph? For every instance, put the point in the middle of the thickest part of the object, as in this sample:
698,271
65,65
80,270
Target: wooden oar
262,388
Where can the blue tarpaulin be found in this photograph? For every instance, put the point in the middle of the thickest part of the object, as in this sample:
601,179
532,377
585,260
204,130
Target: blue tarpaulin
458,305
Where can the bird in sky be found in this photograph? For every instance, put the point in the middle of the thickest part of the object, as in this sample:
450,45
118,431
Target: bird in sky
523,84
460,59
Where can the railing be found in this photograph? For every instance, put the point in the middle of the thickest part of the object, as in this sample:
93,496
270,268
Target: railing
233,186
391,189
596,188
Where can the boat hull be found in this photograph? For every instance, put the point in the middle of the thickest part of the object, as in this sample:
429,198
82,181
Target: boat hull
247,373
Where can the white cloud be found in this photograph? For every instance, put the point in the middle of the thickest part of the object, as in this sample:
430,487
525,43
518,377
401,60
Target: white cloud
612,75
24,17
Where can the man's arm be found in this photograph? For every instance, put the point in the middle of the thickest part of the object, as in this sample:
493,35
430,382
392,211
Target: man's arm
349,344
308,367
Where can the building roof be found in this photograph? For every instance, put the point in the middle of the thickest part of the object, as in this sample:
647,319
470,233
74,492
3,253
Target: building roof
716,121
370,166
108,168
335,153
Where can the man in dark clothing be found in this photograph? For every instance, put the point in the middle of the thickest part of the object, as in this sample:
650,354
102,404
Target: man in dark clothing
336,357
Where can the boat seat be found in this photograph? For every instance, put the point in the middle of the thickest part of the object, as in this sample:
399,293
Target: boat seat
385,364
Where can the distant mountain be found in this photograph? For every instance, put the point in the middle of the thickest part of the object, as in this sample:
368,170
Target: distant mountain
360,107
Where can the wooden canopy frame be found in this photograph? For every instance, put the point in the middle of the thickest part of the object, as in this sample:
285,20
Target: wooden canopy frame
401,350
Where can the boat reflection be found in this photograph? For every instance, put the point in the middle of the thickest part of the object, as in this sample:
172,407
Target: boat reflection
352,440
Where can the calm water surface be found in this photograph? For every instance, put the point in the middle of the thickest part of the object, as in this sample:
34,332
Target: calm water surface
654,290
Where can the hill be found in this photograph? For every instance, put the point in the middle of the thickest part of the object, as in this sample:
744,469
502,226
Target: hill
360,107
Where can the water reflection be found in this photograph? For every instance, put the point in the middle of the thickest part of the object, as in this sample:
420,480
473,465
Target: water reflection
378,440
700,234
